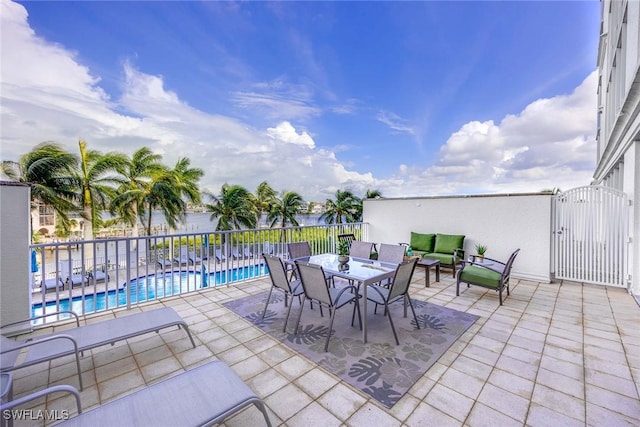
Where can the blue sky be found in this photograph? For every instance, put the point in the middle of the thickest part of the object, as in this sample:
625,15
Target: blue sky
411,98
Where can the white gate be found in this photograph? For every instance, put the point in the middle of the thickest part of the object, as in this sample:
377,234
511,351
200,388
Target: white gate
590,235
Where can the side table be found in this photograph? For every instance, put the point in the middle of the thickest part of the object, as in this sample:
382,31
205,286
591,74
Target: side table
427,263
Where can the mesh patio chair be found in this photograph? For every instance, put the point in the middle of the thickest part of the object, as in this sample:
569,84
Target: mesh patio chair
279,281
399,291
315,288
390,253
360,249
489,273
347,238
297,250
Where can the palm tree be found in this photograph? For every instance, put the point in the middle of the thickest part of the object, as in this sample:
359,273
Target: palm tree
49,169
187,180
96,184
286,209
370,194
373,194
137,175
263,199
233,208
344,208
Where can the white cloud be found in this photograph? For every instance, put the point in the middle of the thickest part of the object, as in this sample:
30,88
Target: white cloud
66,103
550,143
285,132
395,122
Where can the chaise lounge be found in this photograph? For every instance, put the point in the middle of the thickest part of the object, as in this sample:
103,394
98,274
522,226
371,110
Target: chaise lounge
82,338
202,396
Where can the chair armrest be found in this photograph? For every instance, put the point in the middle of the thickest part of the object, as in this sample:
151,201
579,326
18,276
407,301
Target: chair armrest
43,316
37,341
458,254
41,393
483,265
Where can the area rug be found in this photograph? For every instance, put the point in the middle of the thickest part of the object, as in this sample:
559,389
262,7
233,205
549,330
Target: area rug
379,368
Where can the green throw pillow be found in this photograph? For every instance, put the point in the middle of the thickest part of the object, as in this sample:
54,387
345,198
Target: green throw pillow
422,242
448,243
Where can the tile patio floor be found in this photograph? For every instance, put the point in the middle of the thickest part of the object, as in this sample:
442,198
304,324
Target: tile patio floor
553,355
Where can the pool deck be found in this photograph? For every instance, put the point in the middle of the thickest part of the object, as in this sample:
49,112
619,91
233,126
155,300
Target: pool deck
554,354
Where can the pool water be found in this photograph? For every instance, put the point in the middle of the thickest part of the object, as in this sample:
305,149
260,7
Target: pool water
149,288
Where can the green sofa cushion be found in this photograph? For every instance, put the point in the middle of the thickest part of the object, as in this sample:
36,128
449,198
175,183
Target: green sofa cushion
448,243
422,242
480,276
445,259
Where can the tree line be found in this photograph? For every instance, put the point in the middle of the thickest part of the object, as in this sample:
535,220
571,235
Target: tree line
132,187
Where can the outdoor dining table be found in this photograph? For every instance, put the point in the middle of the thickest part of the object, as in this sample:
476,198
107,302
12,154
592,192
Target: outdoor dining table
361,270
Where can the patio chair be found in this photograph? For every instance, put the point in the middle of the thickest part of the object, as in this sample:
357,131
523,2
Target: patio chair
202,396
390,253
360,249
279,281
489,273
236,253
95,276
163,262
247,252
14,403
183,256
70,279
297,250
315,287
219,255
347,238
399,291
52,283
83,338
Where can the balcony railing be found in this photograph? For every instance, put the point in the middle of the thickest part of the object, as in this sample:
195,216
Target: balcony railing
91,276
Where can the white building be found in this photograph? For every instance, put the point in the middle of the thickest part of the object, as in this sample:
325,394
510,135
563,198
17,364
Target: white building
618,137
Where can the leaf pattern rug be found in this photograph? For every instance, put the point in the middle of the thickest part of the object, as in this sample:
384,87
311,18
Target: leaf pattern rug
379,368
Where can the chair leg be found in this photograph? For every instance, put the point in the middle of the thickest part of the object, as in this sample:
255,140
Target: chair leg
391,322
267,304
333,315
356,307
295,331
286,319
414,312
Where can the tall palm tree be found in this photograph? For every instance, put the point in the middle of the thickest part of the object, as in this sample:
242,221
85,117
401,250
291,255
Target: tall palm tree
370,194
373,194
164,194
263,199
233,208
187,179
137,175
49,169
344,208
285,209
96,181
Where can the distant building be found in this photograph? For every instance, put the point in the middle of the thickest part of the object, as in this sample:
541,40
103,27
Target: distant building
618,135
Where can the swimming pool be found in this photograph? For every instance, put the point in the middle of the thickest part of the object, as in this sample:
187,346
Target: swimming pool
148,288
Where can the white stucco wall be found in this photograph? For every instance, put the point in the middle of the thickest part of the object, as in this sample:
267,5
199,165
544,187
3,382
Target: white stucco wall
14,252
501,222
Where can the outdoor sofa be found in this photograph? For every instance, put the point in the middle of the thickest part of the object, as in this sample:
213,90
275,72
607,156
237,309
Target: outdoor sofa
446,248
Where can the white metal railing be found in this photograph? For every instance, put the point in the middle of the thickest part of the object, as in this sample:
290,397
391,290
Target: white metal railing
92,276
